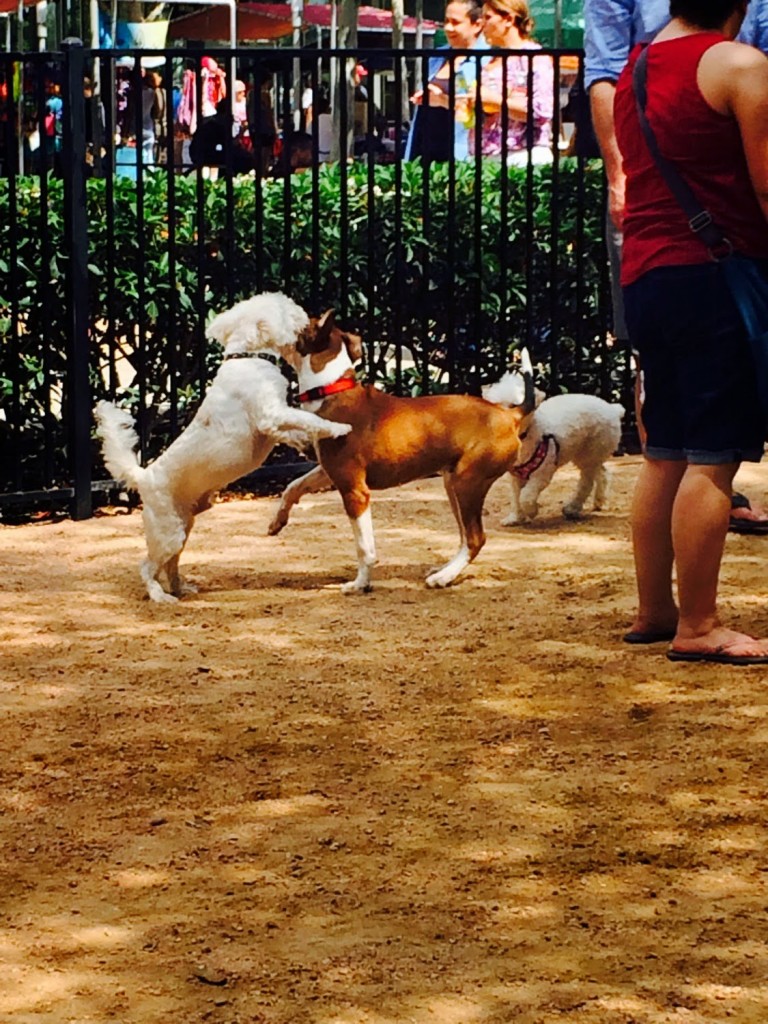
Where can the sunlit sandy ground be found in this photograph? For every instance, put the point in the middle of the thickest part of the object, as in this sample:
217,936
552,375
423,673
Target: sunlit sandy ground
273,803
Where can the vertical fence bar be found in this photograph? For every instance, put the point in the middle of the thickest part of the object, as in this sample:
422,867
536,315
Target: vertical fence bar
172,347
109,204
76,220
46,285
15,364
554,261
427,317
397,326
344,186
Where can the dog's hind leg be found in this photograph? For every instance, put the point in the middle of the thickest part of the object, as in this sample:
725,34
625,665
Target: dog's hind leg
466,498
166,536
573,508
177,585
602,486
316,480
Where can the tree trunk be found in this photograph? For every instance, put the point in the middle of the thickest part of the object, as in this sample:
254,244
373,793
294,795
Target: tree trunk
345,80
419,13
398,17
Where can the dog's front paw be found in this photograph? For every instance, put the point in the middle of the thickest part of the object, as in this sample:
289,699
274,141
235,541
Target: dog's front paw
528,511
441,578
512,519
339,429
571,511
353,587
276,525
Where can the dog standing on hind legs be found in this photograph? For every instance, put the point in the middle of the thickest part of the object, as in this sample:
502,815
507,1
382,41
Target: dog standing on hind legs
242,417
465,439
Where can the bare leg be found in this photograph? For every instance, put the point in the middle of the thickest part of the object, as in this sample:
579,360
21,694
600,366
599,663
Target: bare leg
652,504
699,526
315,480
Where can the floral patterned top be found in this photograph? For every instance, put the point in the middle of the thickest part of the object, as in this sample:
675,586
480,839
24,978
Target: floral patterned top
542,103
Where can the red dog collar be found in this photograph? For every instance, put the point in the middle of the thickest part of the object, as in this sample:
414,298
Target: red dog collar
343,384
527,469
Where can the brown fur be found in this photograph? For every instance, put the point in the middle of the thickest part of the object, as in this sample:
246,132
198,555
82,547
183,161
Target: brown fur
393,441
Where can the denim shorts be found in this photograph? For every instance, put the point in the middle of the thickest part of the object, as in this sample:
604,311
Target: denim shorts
701,401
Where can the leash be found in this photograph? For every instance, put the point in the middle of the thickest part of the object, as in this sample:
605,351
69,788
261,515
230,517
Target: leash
314,394
525,471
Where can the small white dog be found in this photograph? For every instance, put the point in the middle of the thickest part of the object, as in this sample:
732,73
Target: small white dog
580,429
243,415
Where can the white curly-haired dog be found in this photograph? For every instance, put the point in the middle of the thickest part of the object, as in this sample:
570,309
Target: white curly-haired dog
581,429
242,417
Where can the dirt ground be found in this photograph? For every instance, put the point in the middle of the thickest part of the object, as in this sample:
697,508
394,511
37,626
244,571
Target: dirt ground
273,803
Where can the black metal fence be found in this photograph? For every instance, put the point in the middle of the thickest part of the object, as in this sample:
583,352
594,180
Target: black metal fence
120,237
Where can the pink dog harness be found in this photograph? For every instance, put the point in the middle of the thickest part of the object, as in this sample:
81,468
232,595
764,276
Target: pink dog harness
540,452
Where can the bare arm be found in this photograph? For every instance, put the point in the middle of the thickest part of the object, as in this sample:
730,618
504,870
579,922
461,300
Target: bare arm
601,97
748,101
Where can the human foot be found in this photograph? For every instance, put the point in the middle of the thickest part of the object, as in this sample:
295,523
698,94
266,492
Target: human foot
652,630
724,646
746,518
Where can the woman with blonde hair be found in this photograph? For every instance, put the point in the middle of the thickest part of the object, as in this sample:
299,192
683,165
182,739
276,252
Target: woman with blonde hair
522,84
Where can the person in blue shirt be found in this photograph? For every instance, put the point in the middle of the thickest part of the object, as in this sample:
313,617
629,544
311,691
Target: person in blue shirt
433,126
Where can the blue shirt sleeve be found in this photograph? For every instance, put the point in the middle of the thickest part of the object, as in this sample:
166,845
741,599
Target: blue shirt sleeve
755,28
611,29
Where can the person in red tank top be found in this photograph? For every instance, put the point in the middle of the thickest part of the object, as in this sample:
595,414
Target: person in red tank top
708,107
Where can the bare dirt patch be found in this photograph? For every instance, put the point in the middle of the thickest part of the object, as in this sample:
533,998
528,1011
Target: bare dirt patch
277,804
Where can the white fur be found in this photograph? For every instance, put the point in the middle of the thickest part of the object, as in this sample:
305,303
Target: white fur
243,415
587,430
332,371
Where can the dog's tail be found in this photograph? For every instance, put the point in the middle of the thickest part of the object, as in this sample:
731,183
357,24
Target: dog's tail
119,441
515,390
529,396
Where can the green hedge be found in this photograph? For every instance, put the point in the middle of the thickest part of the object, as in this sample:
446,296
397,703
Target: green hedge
159,272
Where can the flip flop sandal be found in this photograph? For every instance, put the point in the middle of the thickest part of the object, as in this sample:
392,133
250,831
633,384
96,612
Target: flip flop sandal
749,521
719,655
657,636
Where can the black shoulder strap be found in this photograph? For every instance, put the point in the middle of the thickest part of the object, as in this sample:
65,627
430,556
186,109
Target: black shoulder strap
699,219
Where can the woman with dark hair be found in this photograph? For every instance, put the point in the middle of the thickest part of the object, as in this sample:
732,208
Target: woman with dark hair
707,105
435,133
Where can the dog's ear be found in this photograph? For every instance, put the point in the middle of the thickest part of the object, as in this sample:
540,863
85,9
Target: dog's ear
354,345
314,337
325,325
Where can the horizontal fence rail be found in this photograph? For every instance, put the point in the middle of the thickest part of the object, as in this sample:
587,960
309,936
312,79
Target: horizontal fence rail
135,203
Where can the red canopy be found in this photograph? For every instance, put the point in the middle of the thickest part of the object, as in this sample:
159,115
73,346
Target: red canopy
12,6
273,21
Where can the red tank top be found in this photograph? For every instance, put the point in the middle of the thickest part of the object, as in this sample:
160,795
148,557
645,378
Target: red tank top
706,149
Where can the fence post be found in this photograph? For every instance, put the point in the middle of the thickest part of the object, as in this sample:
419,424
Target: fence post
76,234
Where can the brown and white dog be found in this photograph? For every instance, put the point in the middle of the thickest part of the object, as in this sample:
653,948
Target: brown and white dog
468,440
